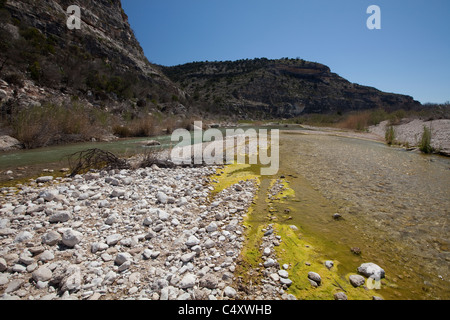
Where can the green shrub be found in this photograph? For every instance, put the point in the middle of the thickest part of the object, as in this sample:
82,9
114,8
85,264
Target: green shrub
390,135
35,71
425,142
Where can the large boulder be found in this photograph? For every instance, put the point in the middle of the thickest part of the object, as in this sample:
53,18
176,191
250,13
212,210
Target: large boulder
371,270
8,143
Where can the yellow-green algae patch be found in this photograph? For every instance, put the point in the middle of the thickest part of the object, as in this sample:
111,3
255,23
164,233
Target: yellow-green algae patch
301,250
284,194
231,174
250,256
302,258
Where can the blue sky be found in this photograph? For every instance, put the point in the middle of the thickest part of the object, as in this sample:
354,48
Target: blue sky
409,55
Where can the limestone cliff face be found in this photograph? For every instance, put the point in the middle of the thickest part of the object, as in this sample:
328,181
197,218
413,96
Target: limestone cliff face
104,28
102,61
263,88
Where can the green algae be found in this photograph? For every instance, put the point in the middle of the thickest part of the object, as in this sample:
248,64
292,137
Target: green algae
302,257
296,248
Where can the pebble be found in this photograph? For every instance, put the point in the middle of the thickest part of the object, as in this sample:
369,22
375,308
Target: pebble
51,238
188,281
211,227
230,292
42,274
71,238
286,282
269,263
122,257
23,236
192,241
44,179
283,274
315,277
340,296
356,280
60,217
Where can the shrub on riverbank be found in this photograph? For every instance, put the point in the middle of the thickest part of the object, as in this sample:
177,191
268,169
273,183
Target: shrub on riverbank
39,126
390,135
425,142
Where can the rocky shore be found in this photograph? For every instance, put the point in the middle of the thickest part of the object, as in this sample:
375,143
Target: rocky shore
130,234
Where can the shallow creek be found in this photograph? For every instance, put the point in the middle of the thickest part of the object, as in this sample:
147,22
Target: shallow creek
395,208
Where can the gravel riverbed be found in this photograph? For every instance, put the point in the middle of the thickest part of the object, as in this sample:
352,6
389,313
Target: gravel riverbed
132,234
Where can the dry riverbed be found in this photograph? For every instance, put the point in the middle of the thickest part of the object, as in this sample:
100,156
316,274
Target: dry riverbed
143,234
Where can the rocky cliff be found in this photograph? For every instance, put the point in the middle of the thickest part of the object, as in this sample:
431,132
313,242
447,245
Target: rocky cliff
263,88
101,62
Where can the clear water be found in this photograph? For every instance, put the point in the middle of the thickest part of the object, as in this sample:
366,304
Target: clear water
395,206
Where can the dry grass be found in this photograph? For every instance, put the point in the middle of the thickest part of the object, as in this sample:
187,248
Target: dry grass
139,127
40,126
358,121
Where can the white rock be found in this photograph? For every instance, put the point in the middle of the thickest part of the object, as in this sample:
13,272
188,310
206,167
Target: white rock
211,227
287,282
188,257
110,277
72,279
269,263
122,257
49,195
20,210
192,241
163,215
283,274
60,217
209,244
357,280
23,236
274,277
230,292
314,277
147,253
51,238
71,238
118,193
124,266
103,204
147,221
98,246
46,256
44,179
113,239
112,218
188,281
371,270
42,274
182,201
162,197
